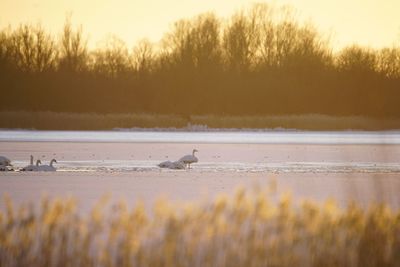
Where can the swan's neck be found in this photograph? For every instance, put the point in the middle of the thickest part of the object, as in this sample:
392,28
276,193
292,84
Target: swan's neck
51,162
194,151
38,162
31,160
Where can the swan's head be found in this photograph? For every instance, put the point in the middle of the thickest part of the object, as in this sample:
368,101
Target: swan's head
54,160
194,150
38,162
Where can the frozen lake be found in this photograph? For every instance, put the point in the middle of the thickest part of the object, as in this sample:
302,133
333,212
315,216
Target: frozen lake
361,166
255,151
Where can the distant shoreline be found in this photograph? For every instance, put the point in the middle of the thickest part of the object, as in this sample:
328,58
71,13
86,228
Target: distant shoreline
47,120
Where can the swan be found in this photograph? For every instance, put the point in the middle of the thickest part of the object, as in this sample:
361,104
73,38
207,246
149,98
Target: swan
4,168
5,164
165,164
48,168
32,167
176,165
189,159
4,161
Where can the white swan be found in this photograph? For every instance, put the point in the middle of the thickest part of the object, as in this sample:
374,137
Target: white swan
4,161
165,164
189,159
5,164
4,168
32,167
176,165
48,168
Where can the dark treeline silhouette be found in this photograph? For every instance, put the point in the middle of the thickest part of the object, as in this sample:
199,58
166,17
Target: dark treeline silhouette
260,61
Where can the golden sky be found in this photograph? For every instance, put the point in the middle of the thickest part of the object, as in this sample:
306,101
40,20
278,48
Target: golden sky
373,23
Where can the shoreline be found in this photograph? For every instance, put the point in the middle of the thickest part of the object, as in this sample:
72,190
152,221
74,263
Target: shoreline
224,137
209,130
48,120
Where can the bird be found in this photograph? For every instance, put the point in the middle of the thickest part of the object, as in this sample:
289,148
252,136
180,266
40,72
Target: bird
189,159
48,168
176,165
4,168
4,161
165,164
32,167
5,164
29,167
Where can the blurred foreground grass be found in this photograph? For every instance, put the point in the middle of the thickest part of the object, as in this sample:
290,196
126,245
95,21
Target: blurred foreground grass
94,121
244,230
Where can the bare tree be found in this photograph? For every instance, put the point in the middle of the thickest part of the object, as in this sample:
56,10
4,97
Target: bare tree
238,40
178,47
5,47
113,59
357,59
205,35
143,56
73,49
389,62
45,52
288,68
266,51
33,49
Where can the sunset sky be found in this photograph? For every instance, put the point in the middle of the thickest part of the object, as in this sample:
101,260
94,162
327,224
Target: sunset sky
373,23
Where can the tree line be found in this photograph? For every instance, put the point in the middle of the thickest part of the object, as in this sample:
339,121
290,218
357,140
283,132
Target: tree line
259,61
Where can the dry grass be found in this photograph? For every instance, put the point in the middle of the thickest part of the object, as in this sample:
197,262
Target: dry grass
92,121
84,121
245,230
303,122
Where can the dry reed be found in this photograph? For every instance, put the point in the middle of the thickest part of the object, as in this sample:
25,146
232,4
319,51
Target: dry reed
243,230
